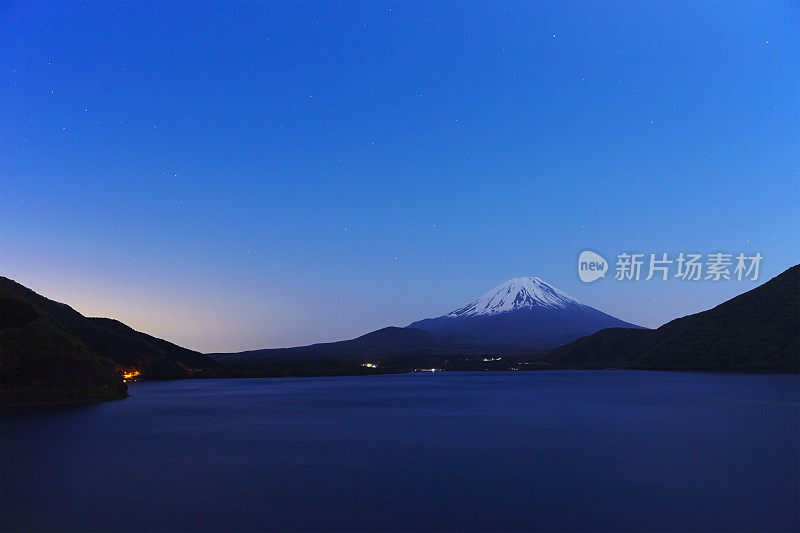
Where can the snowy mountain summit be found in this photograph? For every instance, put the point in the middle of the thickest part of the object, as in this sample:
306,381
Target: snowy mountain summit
518,293
522,312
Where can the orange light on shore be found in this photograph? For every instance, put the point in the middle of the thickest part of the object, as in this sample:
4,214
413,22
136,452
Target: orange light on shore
130,374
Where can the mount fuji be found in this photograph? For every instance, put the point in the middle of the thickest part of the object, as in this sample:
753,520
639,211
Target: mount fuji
523,312
521,317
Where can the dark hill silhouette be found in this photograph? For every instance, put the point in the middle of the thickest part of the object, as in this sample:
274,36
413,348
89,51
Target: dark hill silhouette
42,362
755,331
30,320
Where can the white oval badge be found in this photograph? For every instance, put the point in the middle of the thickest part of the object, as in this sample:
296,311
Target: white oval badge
591,266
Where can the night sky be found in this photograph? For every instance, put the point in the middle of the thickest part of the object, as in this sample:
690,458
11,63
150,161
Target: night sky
244,175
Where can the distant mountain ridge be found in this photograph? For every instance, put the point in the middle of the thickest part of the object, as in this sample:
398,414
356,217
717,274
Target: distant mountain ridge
386,341
389,349
524,312
755,331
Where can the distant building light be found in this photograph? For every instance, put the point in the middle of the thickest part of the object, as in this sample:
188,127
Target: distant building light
130,375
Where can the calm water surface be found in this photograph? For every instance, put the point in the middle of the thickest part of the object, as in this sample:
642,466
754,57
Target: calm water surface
610,450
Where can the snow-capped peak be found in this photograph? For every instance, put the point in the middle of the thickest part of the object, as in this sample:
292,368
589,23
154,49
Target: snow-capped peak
517,293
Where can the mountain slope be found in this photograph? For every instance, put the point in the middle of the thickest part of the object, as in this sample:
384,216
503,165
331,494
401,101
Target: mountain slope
110,339
389,349
520,312
757,330
390,341
42,362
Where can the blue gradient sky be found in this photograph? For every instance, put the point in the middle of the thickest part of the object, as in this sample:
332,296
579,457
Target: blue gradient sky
233,176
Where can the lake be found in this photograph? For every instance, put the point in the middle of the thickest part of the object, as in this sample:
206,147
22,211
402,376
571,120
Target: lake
570,450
